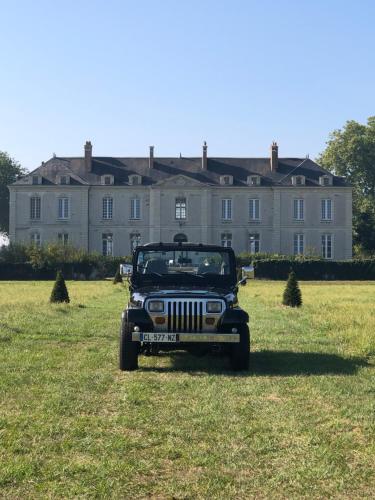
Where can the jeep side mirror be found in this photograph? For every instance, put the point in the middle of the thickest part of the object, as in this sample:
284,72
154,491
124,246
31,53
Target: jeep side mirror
248,272
126,269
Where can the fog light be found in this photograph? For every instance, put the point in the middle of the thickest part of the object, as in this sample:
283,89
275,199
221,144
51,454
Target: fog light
210,321
159,320
136,329
234,330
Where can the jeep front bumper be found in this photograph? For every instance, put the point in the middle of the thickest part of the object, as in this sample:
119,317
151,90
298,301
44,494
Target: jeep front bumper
176,338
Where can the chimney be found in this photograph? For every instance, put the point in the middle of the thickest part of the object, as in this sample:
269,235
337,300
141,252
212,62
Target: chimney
88,156
151,160
204,156
274,156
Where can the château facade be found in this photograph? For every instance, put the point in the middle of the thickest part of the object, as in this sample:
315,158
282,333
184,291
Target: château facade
109,205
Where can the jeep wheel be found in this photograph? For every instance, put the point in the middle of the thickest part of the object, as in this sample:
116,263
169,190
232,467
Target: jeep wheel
128,348
239,355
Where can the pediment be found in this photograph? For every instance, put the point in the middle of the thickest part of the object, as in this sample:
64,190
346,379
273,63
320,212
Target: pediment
179,181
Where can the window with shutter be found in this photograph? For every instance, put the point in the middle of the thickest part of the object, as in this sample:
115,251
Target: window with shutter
135,208
63,208
298,209
107,212
254,243
298,244
226,209
35,207
254,209
327,246
326,210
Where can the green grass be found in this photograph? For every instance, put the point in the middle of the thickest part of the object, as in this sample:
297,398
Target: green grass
299,424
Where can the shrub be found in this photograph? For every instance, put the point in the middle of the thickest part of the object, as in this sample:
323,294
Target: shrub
59,291
118,277
292,294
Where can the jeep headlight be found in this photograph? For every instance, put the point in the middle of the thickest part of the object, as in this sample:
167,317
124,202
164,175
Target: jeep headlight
214,306
156,306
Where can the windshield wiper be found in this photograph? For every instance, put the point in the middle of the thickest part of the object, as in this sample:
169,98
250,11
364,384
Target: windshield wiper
190,274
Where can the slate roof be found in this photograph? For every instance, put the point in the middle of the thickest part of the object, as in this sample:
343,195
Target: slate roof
239,168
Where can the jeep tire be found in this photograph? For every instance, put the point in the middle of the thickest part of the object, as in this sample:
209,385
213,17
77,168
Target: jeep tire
128,348
239,356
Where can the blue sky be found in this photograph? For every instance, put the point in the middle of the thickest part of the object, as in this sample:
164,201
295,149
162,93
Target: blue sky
127,74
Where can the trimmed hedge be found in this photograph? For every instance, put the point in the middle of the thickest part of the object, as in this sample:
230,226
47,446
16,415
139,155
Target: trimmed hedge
279,269
94,269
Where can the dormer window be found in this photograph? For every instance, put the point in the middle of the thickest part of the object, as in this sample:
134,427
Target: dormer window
226,180
36,179
135,180
107,180
64,179
253,180
298,180
325,180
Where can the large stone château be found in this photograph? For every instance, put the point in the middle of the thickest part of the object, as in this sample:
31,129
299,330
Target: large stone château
109,205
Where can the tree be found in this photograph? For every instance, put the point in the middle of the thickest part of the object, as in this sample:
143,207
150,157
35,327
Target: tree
59,291
350,152
10,170
118,277
292,294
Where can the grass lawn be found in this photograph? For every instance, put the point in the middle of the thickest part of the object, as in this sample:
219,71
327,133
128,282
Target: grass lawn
299,424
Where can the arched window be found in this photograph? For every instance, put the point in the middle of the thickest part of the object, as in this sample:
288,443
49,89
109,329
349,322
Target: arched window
180,238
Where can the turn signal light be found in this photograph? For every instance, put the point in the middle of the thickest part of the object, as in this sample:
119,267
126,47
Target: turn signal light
210,321
160,320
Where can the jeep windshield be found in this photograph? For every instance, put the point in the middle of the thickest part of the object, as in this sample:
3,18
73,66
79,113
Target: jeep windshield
181,266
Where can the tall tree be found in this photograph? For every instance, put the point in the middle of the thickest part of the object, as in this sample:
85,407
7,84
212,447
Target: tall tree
350,152
10,170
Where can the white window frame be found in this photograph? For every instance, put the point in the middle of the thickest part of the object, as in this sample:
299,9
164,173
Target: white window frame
226,240
63,207
326,210
299,209
35,239
35,208
226,209
107,244
326,244
107,176
254,243
298,180
254,209
324,178
226,180
180,208
63,238
107,208
298,244
135,180
36,178
135,209
253,180
64,180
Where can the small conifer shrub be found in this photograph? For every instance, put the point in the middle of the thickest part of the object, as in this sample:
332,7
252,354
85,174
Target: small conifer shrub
59,291
118,277
292,294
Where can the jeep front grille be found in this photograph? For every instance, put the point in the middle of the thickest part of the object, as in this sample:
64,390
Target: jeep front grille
185,316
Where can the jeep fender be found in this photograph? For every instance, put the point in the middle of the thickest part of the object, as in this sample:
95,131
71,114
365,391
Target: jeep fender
140,317
234,316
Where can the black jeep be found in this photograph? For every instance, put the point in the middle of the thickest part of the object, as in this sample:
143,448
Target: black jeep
184,296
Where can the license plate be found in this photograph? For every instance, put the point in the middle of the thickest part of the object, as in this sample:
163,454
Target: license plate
159,337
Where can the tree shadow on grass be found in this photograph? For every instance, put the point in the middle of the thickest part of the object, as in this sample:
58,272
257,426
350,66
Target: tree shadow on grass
264,363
